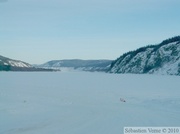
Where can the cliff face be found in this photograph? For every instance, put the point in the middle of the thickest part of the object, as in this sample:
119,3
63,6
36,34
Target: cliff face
155,59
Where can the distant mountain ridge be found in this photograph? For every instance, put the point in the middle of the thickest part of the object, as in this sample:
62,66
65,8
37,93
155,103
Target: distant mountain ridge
77,64
7,64
163,58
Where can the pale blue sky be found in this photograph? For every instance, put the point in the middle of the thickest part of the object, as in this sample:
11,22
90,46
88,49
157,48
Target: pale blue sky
37,31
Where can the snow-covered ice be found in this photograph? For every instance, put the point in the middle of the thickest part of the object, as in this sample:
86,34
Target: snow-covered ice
86,103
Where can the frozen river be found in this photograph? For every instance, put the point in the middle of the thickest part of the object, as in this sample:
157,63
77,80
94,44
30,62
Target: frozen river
86,103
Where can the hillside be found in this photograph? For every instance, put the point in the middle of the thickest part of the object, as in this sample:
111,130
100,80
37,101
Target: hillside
163,58
77,64
7,64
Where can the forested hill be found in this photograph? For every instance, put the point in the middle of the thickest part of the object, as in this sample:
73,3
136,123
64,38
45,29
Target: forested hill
163,58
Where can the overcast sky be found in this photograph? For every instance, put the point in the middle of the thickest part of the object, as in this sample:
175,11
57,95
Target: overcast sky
37,31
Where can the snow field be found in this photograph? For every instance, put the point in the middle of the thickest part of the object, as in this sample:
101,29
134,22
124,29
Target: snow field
86,103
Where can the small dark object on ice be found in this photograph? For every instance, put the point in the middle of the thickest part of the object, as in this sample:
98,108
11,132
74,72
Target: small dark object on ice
122,100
